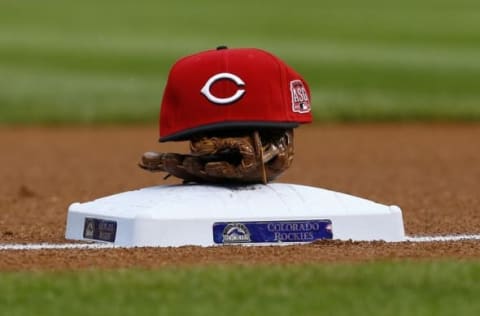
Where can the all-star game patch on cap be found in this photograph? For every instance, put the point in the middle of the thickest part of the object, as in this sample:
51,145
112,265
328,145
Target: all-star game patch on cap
232,88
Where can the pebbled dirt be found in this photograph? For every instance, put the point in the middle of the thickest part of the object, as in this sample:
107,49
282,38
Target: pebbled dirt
431,171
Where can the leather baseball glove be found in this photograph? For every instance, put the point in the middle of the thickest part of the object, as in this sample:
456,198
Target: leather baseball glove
249,157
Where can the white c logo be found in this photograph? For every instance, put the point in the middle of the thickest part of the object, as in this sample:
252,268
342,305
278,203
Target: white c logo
224,75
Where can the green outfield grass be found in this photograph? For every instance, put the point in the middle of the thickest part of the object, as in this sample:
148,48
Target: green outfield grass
403,288
107,61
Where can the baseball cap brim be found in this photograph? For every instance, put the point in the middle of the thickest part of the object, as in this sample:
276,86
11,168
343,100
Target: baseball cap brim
187,134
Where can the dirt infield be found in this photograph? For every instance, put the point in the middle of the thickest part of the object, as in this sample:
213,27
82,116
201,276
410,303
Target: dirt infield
431,171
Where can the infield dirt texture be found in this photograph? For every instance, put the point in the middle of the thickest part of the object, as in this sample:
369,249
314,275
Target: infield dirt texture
431,171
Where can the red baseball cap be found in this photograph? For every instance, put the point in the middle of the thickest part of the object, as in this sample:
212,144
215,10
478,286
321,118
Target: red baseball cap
232,88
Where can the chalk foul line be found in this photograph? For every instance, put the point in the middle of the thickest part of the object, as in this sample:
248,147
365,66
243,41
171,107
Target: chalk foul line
445,238
93,246
47,246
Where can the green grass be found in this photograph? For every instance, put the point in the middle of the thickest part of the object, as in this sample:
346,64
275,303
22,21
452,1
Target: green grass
107,61
402,288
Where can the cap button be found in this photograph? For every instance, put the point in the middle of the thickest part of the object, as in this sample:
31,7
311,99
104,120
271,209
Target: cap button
221,47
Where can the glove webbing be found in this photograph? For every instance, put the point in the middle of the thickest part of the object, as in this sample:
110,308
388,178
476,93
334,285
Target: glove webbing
259,151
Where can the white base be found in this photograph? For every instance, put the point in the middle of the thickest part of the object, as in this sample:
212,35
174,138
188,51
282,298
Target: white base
185,214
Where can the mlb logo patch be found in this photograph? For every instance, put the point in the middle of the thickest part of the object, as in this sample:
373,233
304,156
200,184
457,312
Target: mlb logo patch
300,99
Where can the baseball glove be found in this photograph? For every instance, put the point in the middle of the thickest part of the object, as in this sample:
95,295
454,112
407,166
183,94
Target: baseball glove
248,157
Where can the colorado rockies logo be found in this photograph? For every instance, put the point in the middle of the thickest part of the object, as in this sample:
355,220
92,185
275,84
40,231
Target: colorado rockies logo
222,76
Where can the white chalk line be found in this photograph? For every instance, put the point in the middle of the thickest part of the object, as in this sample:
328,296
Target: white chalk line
94,246
47,246
446,238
